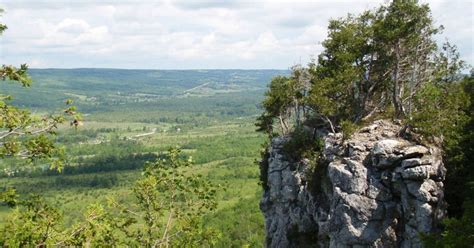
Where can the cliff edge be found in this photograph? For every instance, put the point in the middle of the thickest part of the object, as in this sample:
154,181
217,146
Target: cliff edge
376,189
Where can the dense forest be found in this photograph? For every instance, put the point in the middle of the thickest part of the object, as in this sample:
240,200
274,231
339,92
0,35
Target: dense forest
167,158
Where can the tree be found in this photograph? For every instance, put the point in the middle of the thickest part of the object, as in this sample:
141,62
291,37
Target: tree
299,85
35,223
439,106
23,134
379,60
27,136
285,101
385,63
372,60
405,33
170,202
344,78
459,150
277,104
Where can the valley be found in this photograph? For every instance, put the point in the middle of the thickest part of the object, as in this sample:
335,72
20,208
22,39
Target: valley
129,118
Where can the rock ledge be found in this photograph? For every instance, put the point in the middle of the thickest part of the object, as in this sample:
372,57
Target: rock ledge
374,190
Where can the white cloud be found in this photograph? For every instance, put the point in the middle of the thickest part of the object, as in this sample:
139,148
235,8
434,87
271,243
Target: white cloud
187,34
72,34
72,26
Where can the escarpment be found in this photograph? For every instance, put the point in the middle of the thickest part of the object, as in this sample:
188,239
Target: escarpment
375,189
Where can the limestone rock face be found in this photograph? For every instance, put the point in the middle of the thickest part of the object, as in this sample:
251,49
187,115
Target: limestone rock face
374,190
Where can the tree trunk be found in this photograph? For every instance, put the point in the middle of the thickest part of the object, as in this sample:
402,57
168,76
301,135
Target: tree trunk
397,84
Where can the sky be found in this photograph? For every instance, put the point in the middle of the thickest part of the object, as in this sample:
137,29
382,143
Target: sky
179,34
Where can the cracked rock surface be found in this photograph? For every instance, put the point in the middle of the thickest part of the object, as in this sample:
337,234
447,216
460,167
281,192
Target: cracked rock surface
374,190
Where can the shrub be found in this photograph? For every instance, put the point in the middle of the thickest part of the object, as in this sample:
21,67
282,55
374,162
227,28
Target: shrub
302,144
348,128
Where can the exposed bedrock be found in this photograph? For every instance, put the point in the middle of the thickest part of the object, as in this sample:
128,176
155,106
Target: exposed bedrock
375,189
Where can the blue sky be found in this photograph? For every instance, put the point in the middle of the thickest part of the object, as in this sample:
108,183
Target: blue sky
188,34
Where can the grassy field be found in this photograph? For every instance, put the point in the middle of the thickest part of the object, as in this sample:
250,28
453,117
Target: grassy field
129,117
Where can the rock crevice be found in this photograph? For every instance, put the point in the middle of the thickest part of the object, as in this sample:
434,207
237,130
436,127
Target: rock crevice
373,190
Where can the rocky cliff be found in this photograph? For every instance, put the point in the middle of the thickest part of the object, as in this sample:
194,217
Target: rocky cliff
375,189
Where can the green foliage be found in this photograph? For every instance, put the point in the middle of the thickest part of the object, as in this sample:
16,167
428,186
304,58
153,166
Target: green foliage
9,197
242,224
226,146
16,74
214,122
96,181
106,162
284,99
440,112
384,63
276,104
361,71
223,151
182,94
440,105
369,62
381,59
25,135
172,201
263,165
459,156
32,223
100,227
348,128
330,93
170,204
457,232
302,144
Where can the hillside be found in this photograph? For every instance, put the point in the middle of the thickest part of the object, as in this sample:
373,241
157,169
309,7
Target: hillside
132,116
101,90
